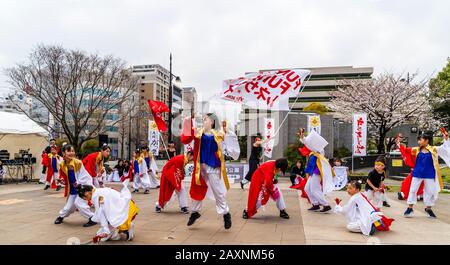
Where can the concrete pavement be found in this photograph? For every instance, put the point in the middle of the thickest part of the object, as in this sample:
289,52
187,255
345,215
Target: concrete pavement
27,214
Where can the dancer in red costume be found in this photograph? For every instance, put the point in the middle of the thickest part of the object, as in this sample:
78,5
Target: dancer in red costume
264,186
171,181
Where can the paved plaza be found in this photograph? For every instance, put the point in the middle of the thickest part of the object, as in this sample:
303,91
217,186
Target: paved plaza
27,214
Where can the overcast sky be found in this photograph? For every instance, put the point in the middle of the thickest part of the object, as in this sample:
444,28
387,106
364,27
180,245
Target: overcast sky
215,40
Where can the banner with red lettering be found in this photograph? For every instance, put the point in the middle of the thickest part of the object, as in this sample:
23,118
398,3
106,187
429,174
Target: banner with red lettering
269,131
359,134
265,90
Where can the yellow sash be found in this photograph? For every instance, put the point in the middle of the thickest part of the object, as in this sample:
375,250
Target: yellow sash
433,150
74,163
132,212
319,164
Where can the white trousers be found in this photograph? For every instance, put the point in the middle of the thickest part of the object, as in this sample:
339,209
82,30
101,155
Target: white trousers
377,198
143,182
75,202
217,187
354,227
279,202
154,182
54,178
429,191
182,198
314,191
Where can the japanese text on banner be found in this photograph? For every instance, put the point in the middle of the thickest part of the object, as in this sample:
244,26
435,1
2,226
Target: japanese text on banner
153,138
269,131
266,90
359,134
314,123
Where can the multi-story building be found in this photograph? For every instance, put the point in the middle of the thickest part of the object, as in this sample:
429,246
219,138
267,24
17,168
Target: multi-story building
7,106
189,103
154,85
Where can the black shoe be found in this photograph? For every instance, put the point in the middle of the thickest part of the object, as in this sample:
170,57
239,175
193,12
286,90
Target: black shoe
245,214
372,230
325,209
242,185
430,213
386,204
284,214
46,187
89,223
315,208
157,209
135,191
59,220
400,196
227,221
194,216
58,188
409,212
184,210
146,192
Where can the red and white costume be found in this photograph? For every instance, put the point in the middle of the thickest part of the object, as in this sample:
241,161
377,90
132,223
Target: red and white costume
262,188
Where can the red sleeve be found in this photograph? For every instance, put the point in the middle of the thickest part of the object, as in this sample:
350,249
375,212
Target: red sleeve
89,164
188,131
45,160
63,176
407,156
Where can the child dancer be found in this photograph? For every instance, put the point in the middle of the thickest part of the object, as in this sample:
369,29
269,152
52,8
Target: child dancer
73,172
264,186
94,165
45,162
209,174
152,168
113,210
172,180
362,216
54,161
410,160
141,178
427,170
319,172
375,188
341,178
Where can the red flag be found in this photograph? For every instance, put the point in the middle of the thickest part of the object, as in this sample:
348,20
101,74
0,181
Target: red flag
158,107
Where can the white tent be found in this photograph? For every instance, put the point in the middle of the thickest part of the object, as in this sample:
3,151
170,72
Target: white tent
18,132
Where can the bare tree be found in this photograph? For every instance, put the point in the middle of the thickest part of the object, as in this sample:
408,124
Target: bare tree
389,101
76,88
128,111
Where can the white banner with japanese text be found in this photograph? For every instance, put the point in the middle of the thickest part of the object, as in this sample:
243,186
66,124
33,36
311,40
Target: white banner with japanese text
269,131
153,138
359,134
265,90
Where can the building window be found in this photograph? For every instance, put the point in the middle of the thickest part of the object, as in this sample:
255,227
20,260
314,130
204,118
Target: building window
142,84
142,90
113,140
143,77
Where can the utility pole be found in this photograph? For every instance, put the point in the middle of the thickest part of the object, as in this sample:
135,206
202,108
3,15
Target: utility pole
129,128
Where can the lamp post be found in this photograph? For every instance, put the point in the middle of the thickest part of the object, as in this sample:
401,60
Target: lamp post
170,98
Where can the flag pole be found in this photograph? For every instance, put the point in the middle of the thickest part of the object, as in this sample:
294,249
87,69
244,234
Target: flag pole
164,144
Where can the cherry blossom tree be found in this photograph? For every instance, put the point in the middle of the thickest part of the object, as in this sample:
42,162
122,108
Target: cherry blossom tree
389,100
